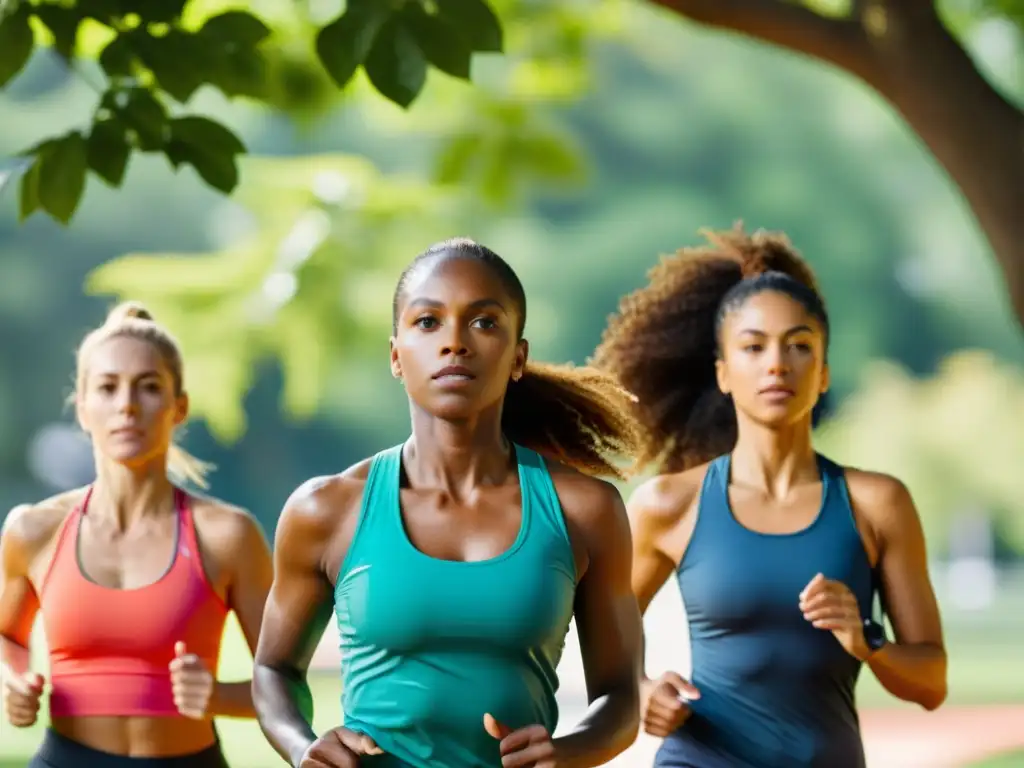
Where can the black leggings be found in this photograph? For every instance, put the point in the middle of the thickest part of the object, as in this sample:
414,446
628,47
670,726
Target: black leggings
61,752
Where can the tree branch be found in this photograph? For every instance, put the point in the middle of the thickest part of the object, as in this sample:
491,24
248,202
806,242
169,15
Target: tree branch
840,42
975,132
902,50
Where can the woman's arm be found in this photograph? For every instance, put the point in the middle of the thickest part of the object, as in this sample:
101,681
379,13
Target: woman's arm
252,572
662,512
912,668
18,602
25,532
609,627
655,511
297,610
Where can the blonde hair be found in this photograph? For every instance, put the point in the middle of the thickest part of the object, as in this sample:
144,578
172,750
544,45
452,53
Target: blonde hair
131,319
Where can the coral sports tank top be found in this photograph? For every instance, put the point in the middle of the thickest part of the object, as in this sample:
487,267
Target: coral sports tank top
110,648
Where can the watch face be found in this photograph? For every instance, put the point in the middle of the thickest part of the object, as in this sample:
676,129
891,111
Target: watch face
874,634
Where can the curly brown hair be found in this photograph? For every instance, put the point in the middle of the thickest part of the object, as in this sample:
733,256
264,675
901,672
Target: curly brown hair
577,416
663,342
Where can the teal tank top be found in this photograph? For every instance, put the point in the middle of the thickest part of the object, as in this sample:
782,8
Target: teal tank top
429,646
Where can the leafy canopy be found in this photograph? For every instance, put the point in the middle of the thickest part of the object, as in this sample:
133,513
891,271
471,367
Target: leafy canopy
154,55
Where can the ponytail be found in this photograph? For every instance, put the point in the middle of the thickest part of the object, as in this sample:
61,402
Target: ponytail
577,416
663,342
183,466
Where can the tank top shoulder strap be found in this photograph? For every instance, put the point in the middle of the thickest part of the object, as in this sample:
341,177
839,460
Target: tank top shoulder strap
836,507
379,504
833,477
543,520
540,503
188,536
714,492
65,552
839,516
382,482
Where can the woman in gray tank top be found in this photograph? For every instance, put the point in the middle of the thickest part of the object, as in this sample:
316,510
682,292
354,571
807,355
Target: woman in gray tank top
777,550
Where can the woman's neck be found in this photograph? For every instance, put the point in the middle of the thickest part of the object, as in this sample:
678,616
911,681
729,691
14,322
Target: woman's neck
774,460
456,456
124,495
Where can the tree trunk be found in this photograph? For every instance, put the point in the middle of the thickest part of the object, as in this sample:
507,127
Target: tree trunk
902,50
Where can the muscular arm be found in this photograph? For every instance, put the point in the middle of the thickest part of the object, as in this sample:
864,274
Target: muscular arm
660,512
297,610
914,667
252,573
608,624
18,602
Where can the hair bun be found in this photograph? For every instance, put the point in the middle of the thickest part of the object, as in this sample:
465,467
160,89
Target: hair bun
762,252
772,252
129,310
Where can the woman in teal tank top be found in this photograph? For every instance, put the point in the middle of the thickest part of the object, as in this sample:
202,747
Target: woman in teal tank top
776,549
454,562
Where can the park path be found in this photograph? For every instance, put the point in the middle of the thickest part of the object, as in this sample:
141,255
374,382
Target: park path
902,738
948,738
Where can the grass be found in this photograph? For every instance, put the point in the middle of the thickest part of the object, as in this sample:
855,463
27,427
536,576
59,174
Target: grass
1010,760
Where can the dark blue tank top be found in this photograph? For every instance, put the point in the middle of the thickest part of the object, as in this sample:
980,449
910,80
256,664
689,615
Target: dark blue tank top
775,691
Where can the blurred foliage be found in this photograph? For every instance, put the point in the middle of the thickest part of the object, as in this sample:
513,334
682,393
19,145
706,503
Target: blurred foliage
955,439
232,308
154,56
330,225
487,147
1011,9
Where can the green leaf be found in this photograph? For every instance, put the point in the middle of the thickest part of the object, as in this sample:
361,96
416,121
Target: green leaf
397,66
345,43
203,131
208,147
63,22
477,22
240,72
29,202
108,151
16,43
441,42
62,169
141,112
117,57
103,11
177,60
177,154
154,11
237,28
233,61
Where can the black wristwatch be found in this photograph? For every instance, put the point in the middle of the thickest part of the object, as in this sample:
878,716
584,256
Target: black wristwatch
874,635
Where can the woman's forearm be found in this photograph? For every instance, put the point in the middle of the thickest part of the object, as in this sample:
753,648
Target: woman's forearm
913,672
233,700
14,657
284,708
609,727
